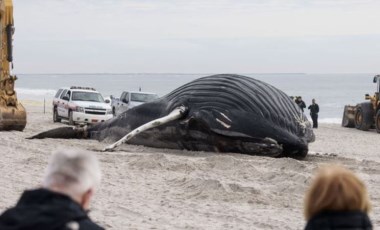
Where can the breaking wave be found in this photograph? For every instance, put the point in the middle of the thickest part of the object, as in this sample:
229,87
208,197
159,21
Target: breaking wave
36,92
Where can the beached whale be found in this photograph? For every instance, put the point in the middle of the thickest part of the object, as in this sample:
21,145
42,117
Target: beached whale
224,113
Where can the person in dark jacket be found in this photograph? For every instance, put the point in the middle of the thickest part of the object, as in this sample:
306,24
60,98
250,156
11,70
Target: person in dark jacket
63,202
337,199
314,110
300,103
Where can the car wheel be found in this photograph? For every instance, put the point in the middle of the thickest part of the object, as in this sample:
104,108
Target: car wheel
71,120
56,118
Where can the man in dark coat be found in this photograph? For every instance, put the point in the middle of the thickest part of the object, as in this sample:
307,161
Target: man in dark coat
300,103
62,202
314,110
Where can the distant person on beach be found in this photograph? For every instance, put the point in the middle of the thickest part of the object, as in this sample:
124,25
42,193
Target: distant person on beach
314,110
300,103
337,199
64,199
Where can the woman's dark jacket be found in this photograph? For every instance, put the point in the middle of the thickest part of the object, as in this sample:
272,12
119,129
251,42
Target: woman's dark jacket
352,220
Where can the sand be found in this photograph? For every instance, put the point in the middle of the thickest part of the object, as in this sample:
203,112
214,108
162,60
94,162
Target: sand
147,188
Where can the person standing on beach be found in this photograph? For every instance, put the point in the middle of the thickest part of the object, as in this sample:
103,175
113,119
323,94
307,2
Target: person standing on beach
314,110
64,199
300,103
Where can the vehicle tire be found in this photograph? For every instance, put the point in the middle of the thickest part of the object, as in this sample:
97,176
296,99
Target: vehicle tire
348,120
56,118
364,116
377,121
71,120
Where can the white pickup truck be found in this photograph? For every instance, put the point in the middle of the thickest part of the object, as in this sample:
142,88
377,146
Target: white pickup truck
80,105
129,100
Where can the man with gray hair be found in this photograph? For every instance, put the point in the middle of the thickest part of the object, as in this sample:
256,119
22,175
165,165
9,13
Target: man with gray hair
62,203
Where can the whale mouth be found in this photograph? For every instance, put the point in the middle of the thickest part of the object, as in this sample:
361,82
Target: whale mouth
198,135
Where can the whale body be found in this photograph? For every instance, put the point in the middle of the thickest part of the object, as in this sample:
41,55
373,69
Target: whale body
225,113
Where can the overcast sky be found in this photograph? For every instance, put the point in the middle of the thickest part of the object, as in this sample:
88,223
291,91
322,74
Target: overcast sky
197,36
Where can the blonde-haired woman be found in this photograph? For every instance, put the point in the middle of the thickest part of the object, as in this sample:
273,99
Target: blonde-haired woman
337,199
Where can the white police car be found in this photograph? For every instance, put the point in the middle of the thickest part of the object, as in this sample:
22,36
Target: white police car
80,105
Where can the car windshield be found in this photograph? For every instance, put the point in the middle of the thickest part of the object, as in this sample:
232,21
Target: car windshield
87,96
143,97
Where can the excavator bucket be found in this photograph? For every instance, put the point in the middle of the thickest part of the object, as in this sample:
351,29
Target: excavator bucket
12,117
349,116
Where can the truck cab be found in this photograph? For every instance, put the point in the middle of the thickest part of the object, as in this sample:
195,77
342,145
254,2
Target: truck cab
130,99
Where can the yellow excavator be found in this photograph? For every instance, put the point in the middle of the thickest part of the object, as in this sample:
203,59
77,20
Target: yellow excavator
12,113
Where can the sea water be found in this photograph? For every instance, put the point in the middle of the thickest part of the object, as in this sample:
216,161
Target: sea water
331,91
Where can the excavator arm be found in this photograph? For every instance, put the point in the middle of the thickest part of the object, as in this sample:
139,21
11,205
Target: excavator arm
12,113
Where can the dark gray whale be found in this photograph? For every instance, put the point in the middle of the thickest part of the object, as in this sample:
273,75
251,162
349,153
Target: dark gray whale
225,113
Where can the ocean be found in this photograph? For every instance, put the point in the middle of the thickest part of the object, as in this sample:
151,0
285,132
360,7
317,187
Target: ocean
331,91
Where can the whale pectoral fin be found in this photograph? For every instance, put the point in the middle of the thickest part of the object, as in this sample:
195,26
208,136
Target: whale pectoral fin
62,132
176,114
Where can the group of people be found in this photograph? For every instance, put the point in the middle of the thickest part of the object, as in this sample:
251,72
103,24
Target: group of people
336,199
314,109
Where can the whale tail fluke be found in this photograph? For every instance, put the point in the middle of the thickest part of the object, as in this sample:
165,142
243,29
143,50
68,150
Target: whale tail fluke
62,133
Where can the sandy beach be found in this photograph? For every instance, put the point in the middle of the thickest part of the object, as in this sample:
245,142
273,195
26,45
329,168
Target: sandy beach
147,188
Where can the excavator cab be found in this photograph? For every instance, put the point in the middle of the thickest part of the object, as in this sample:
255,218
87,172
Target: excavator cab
12,113
376,103
376,79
